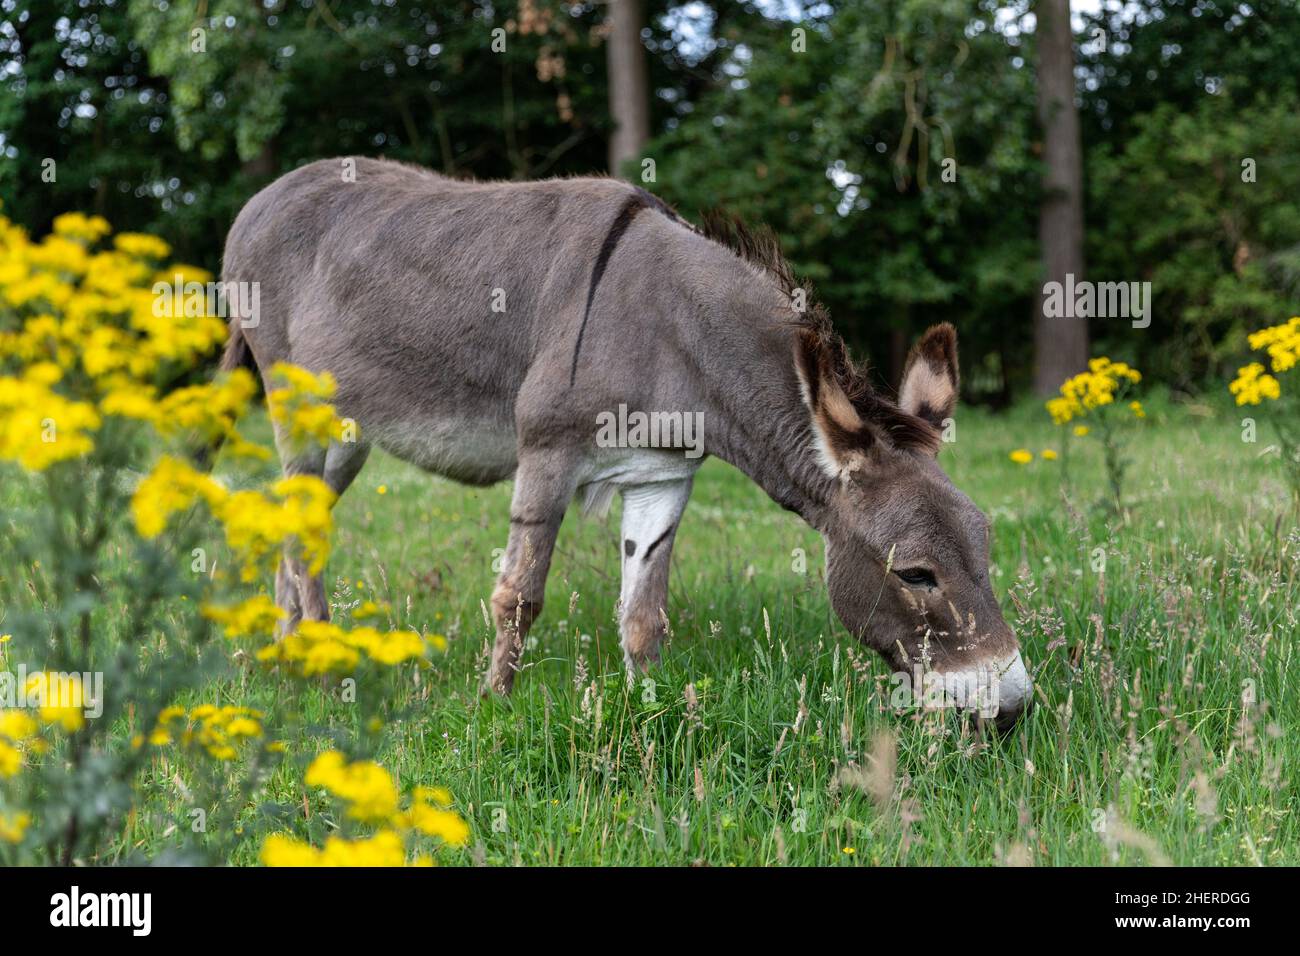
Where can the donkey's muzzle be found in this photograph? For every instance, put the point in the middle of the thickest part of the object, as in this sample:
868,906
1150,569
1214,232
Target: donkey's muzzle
998,691
1007,719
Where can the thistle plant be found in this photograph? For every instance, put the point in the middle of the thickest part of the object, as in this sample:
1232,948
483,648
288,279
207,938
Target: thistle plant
1254,385
1097,396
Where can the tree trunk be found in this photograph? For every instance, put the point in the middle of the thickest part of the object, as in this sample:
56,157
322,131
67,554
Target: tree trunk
898,345
629,96
1060,343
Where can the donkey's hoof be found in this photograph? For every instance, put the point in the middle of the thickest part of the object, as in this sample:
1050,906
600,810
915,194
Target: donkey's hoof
498,685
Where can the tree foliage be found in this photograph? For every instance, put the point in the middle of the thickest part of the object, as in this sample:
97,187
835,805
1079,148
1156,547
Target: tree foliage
892,143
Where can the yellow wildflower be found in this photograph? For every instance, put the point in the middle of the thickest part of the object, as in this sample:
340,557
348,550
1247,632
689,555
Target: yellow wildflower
319,647
75,225
383,849
141,245
220,731
17,725
13,826
282,850
1282,342
1252,385
11,760
1092,389
368,609
257,615
171,487
60,698
366,787
426,816
38,426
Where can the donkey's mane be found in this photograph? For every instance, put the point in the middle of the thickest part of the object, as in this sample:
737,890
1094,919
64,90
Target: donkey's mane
762,248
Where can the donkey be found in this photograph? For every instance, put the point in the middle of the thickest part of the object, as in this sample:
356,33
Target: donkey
482,330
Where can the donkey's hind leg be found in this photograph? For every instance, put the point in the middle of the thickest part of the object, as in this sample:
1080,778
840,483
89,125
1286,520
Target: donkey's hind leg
299,593
651,513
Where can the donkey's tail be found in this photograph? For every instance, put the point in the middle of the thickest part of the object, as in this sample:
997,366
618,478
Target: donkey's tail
237,355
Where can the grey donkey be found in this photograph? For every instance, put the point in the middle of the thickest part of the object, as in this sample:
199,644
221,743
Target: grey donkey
485,330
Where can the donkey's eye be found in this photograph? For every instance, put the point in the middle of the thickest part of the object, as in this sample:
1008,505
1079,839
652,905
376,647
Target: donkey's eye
917,577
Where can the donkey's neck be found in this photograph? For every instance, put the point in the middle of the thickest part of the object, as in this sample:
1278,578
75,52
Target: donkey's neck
756,417
769,439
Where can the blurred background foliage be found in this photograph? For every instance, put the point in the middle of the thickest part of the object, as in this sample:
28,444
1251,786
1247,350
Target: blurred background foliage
840,147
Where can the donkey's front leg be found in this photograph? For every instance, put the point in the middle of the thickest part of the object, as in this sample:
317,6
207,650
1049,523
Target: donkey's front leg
544,485
650,516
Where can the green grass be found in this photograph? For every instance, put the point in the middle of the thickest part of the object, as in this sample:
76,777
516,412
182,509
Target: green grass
1139,748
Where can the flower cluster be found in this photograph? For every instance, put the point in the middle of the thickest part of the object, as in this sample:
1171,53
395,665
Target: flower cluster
1282,342
220,731
370,798
56,700
13,826
385,848
38,426
84,336
1023,456
59,699
298,406
256,523
100,342
207,411
1253,383
257,615
1098,386
18,730
318,647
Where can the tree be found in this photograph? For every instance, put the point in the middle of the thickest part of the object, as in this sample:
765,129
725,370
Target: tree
1190,114
629,97
887,143
166,130
1060,342
1205,205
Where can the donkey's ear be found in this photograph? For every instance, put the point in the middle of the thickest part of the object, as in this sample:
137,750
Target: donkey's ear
841,434
930,380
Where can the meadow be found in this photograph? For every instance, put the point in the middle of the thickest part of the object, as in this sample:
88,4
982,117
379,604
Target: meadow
1161,641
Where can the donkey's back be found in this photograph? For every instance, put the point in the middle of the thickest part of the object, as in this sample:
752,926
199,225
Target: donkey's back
429,299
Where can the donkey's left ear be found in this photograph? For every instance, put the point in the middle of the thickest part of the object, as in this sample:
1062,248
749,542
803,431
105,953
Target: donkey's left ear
930,380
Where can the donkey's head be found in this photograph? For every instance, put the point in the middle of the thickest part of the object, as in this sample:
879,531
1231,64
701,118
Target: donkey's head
907,553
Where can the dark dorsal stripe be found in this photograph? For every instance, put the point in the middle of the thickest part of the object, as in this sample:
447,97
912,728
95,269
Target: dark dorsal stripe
640,199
